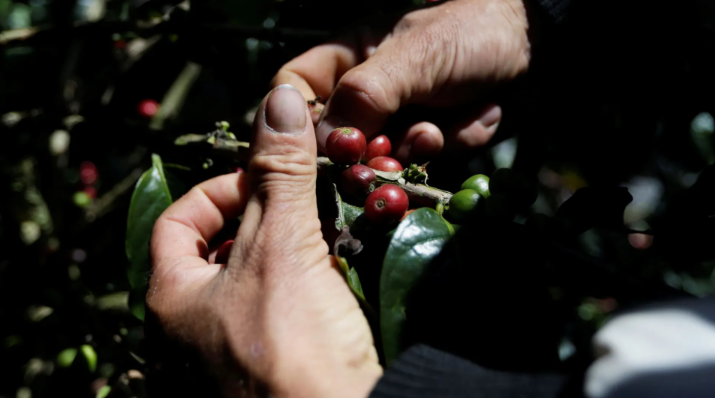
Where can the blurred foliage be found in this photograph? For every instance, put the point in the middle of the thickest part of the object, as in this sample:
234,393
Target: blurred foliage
73,73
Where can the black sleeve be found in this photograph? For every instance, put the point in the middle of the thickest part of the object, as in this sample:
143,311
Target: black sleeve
423,372
703,11
657,351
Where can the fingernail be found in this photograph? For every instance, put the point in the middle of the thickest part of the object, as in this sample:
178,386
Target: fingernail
286,110
491,117
425,145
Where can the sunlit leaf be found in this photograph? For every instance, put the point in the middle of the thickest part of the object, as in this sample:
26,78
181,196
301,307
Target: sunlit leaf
66,357
151,197
90,356
416,241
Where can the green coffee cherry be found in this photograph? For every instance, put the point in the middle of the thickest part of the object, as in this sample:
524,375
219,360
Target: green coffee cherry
462,203
479,183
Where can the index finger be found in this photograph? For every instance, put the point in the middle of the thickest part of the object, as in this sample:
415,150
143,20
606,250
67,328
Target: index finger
317,71
186,227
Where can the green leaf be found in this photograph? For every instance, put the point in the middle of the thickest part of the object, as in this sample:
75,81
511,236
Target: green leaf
176,180
136,304
352,277
90,356
103,392
416,241
351,213
340,220
701,131
151,197
66,357
355,285
347,213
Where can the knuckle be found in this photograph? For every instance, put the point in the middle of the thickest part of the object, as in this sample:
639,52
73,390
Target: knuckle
287,172
286,163
410,21
375,85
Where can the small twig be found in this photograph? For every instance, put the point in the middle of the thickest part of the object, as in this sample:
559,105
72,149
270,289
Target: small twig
102,205
419,193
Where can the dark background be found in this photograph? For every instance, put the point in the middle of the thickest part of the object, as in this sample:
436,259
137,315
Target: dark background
613,98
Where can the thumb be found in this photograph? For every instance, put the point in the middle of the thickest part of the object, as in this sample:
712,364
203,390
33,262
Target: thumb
282,172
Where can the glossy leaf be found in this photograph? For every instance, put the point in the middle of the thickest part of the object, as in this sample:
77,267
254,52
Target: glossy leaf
176,178
103,392
351,213
355,285
352,278
347,213
66,357
136,304
416,241
151,197
90,356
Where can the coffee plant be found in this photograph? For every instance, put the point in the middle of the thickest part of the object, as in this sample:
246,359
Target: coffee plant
595,194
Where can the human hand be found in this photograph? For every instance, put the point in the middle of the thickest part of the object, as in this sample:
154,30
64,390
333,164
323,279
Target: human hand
279,311
448,56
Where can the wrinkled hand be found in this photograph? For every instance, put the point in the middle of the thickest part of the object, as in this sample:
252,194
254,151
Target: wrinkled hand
278,311
446,56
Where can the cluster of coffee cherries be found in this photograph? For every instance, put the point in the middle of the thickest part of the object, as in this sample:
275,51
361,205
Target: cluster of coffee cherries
89,175
347,146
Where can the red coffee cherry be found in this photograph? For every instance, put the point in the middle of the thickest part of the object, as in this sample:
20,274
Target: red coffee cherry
386,205
345,145
88,173
148,108
91,192
357,181
379,146
384,163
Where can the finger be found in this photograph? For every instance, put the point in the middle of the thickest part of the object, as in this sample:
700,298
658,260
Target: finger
474,132
179,243
186,227
422,141
368,94
282,213
316,72
459,129
364,98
